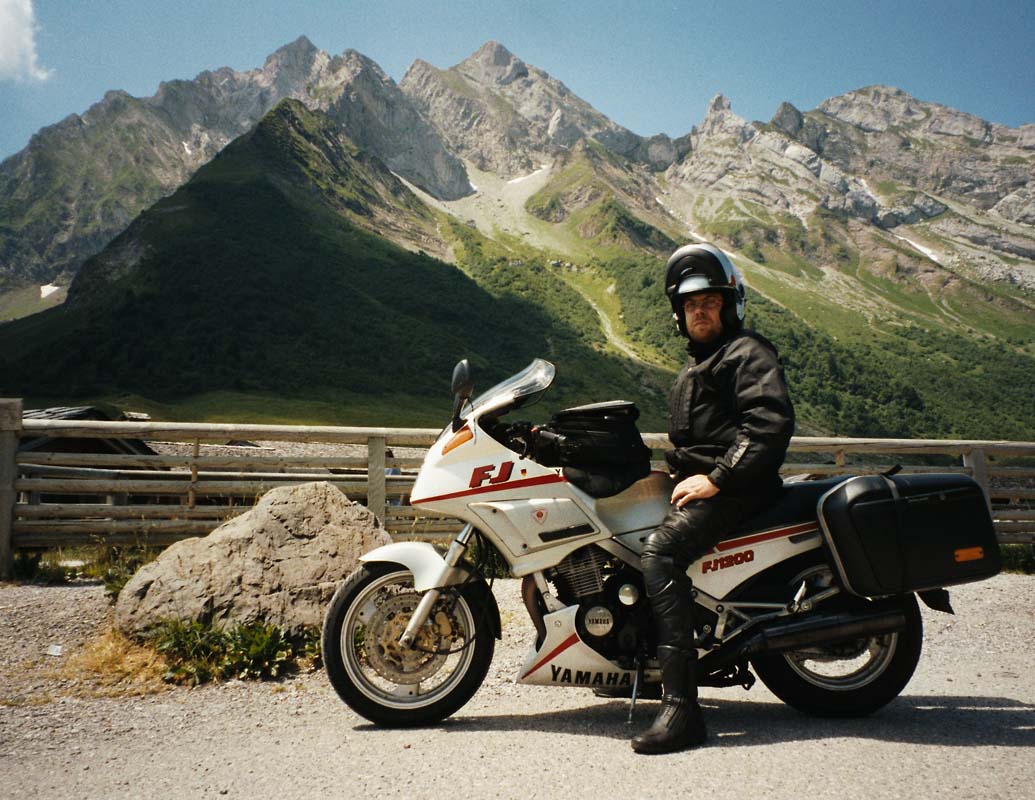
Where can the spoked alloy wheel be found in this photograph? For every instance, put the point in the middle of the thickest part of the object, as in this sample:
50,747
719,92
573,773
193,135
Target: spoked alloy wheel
844,668
848,678
394,685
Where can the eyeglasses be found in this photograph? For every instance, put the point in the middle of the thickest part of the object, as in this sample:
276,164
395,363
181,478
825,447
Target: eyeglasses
704,304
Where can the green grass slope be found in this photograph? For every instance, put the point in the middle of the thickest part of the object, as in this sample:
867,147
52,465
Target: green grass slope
254,286
910,379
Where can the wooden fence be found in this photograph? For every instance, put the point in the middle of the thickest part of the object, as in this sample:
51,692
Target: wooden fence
64,499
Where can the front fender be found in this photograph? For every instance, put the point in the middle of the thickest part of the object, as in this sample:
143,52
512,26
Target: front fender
425,561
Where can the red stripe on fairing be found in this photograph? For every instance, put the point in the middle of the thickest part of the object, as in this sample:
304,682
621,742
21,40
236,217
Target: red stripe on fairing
756,538
500,487
552,654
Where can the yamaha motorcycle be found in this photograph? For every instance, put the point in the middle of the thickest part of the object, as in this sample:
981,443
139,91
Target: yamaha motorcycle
816,594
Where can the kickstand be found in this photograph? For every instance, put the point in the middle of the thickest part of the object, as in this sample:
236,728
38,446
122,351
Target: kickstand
637,682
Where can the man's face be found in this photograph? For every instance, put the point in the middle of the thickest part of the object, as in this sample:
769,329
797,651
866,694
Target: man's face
702,314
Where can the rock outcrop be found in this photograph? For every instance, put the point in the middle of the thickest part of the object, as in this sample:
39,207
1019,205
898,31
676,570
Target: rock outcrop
507,116
279,563
887,135
376,115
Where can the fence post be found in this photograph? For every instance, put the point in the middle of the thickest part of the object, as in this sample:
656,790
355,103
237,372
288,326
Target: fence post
976,460
10,428
376,476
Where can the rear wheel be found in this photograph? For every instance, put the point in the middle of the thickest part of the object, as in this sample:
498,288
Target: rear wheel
398,686
849,678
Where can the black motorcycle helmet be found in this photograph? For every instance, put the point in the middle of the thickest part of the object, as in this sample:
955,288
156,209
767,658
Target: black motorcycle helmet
697,268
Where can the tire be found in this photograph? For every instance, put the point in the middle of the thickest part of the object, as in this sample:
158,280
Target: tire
851,679
829,681
397,687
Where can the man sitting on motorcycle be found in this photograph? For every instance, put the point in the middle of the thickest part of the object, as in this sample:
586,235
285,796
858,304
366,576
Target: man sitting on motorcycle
730,420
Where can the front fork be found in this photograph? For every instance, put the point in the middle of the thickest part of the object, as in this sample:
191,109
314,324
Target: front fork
427,602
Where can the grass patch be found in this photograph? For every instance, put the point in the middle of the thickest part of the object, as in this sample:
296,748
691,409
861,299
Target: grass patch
44,567
111,565
1018,558
197,652
22,302
116,565
114,665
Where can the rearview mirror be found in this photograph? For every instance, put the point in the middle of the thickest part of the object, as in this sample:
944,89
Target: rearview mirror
463,388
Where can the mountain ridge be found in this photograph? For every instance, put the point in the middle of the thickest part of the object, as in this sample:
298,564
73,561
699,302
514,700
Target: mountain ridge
81,181
874,260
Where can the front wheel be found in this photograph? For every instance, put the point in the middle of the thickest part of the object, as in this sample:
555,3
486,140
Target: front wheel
850,679
398,686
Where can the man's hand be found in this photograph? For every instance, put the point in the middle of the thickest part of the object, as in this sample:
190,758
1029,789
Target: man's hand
696,487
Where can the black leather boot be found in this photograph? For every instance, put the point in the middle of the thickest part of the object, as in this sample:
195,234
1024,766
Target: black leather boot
679,724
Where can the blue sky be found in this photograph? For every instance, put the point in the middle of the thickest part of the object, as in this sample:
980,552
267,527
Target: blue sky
649,66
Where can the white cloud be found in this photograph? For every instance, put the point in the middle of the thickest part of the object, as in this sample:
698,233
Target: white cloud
18,42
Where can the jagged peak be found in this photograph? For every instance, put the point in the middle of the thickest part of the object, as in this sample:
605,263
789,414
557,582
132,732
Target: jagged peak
876,90
299,45
492,52
492,63
720,119
788,119
359,63
299,52
876,94
719,104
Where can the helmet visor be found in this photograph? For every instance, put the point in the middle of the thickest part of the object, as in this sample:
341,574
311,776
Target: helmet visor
694,283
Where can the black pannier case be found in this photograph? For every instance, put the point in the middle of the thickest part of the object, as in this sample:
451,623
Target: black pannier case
909,533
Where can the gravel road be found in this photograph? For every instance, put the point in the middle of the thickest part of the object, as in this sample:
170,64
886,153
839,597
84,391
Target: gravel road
964,727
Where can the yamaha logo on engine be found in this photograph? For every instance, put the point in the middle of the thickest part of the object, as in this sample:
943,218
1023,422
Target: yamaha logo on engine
599,621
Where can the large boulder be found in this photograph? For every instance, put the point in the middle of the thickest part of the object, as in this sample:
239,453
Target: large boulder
279,563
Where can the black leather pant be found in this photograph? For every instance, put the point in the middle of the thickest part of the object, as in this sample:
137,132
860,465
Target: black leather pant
685,535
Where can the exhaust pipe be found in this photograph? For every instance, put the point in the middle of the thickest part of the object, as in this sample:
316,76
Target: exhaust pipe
829,629
778,637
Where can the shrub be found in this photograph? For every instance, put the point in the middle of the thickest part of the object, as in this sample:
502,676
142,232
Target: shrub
116,565
198,652
193,650
1018,558
256,651
486,559
39,567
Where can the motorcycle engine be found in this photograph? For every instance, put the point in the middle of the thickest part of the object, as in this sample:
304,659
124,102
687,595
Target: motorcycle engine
613,611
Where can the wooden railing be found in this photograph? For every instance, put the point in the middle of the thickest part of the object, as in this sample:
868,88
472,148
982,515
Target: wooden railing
64,499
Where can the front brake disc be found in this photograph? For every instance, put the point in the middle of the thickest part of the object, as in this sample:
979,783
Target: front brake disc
406,665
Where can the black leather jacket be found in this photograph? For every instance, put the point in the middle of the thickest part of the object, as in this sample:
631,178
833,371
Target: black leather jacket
730,416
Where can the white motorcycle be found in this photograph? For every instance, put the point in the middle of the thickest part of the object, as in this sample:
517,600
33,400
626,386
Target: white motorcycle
816,594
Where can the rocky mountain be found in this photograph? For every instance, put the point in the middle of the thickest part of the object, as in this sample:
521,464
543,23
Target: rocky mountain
885,133
80,182
261,277
604,199
292,150
763,185
507,117
887,243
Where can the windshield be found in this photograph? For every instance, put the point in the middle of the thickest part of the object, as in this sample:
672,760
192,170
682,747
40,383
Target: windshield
516,391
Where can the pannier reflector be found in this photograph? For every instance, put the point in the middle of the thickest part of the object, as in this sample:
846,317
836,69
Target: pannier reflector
461,436
969,554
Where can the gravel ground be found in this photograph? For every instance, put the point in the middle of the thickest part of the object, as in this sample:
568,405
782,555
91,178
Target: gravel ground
965,725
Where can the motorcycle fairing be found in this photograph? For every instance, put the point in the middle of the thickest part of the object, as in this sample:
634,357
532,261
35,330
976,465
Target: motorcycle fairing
565,660
529,524
733,561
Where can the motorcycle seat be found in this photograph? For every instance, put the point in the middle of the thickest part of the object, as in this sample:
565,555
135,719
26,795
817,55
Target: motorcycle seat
795,502
607,481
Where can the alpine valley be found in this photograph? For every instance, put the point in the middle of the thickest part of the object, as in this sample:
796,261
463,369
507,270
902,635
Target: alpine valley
311,241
